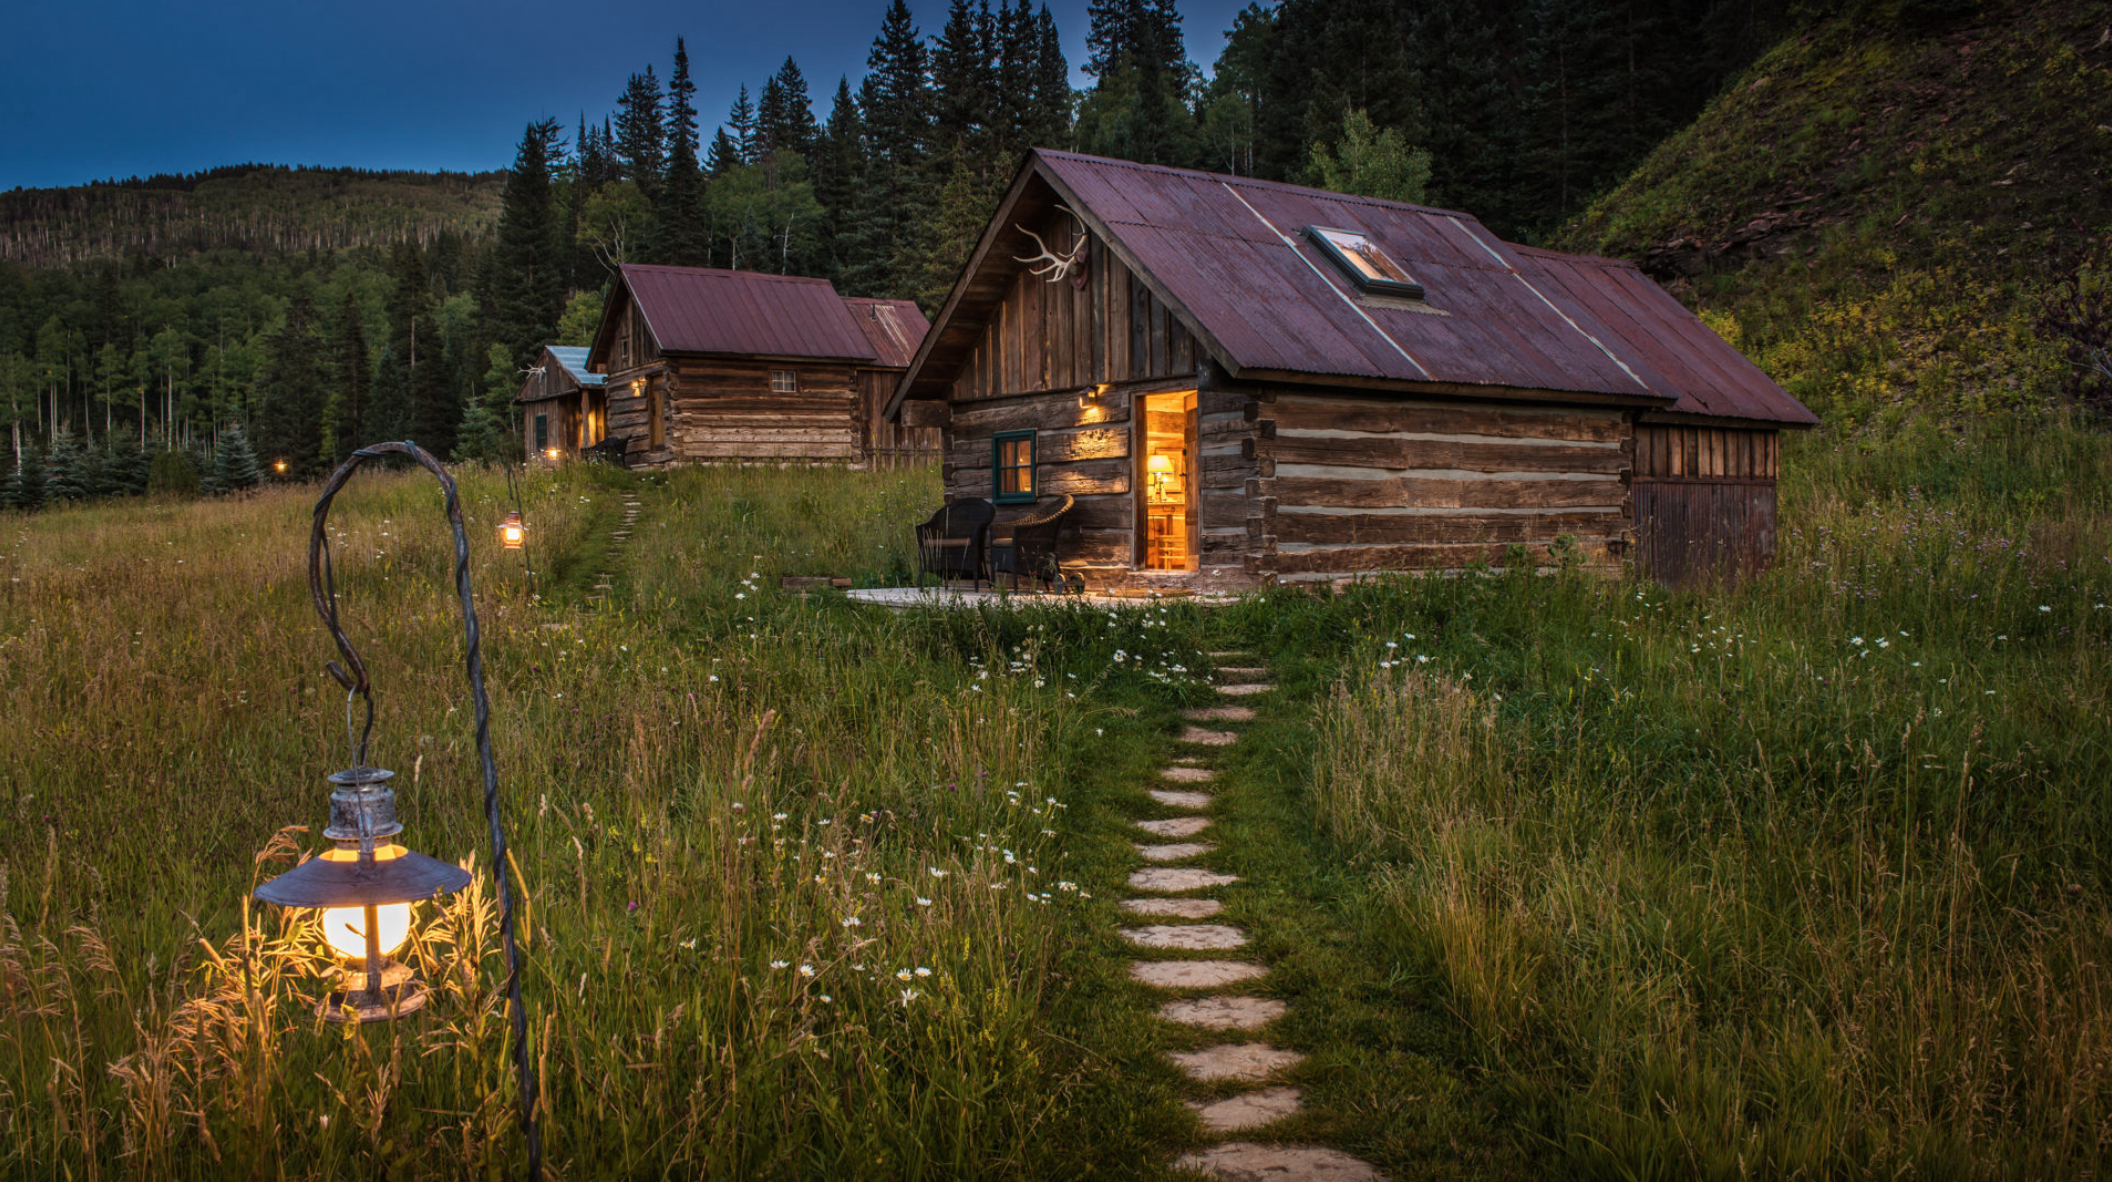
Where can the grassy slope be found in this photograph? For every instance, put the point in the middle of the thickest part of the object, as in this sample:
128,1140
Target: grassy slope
1871,217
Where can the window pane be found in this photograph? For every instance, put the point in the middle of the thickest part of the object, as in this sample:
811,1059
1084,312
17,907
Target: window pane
1366,257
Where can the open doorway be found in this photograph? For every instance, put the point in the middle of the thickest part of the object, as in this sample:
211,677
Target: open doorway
1169,504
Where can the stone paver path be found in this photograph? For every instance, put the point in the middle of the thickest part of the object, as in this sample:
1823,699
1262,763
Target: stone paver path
603,580
1255,1063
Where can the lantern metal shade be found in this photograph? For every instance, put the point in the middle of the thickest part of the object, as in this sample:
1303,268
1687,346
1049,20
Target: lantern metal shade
327,882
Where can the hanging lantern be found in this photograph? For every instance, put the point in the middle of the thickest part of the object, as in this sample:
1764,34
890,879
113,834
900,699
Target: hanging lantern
365,889
511,531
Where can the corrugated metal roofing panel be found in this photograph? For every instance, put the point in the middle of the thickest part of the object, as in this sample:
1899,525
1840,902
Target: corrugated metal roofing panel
1232,252
574,359
745,313
893,327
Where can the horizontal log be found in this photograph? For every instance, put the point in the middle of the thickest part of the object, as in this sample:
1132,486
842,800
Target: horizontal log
1416,492
1086,478
1367,559
1406,454
1227,471
1339,528
711,450
1384,417
1224,549
1225,508
1053,447
1051,412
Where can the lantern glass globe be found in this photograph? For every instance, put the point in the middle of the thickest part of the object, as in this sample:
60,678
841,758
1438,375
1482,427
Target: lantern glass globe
346,929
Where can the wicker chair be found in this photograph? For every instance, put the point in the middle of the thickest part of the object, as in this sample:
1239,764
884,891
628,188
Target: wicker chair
951,543
1033,547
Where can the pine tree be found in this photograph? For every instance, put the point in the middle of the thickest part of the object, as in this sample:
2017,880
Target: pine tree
526,267
1047,122
681,240
66,470
963,83
234,463
640,137
25,484
172,474
125,468
724,154
740,123
1138,108
883,243
839,166
289,413
785,116
351,378
487,430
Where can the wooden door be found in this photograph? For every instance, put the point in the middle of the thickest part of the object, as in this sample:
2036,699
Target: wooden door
1192,479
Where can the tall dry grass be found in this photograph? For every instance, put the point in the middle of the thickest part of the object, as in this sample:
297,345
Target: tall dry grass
788,870
1805,880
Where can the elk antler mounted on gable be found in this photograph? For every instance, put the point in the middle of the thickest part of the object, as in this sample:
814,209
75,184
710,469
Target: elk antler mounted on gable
1052,267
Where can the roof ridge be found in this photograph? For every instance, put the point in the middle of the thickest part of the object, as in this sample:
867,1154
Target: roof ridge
1229,178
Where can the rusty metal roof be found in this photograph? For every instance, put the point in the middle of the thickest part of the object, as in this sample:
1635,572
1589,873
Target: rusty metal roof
743,313
894,327
1230,256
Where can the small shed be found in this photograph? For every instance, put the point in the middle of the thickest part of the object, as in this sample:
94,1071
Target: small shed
1245,382
562,406
711,366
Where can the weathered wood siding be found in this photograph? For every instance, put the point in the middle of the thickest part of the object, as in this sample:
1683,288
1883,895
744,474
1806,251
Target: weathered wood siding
1705,501
888,443
563,425
1086,451
1349,484
1056,336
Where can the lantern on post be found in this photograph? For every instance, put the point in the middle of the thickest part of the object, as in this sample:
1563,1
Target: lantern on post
279,466
511,531
367,886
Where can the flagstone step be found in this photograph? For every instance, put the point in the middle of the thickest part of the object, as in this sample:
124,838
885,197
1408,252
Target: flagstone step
1173,908
1180,800
1245,1161
1225,654
1175,851
1175,826
1187,775
1224,1013
1173,880
1254,1061
1191,937
1219,714
1208,738
1195,974
1246,690
1243,672
1248,1110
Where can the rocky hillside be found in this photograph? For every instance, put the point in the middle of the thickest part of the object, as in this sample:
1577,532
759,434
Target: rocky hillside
1876,215
246,207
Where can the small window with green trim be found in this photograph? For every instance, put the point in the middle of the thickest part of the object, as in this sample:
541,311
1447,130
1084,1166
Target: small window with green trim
1012,466
542,432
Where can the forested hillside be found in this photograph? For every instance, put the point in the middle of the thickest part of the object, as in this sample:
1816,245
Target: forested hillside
1903,224
251,207
316,308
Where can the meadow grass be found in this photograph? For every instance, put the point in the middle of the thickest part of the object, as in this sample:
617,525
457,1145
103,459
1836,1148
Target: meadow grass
1802,879
796,876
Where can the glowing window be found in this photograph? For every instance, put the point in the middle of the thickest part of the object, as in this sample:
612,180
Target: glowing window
1012,464
1365,262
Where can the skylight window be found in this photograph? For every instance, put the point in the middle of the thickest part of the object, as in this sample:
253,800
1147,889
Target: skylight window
1363,261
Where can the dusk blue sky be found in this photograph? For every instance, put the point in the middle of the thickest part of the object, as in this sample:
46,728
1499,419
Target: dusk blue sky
92,90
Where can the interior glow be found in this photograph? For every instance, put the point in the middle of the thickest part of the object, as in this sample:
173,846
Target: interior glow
346,928
513,535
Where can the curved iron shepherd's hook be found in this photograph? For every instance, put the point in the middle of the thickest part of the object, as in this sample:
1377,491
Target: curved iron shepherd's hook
353,676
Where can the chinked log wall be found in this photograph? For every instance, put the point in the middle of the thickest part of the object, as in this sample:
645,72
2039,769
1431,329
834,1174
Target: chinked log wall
1351,484
1044,349
720,411
1705,501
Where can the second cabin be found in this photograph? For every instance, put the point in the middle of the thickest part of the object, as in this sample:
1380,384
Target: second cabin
1245,382
739,367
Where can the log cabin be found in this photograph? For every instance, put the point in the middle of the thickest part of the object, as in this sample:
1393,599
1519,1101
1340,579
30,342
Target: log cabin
562,405
1244,382
740,367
